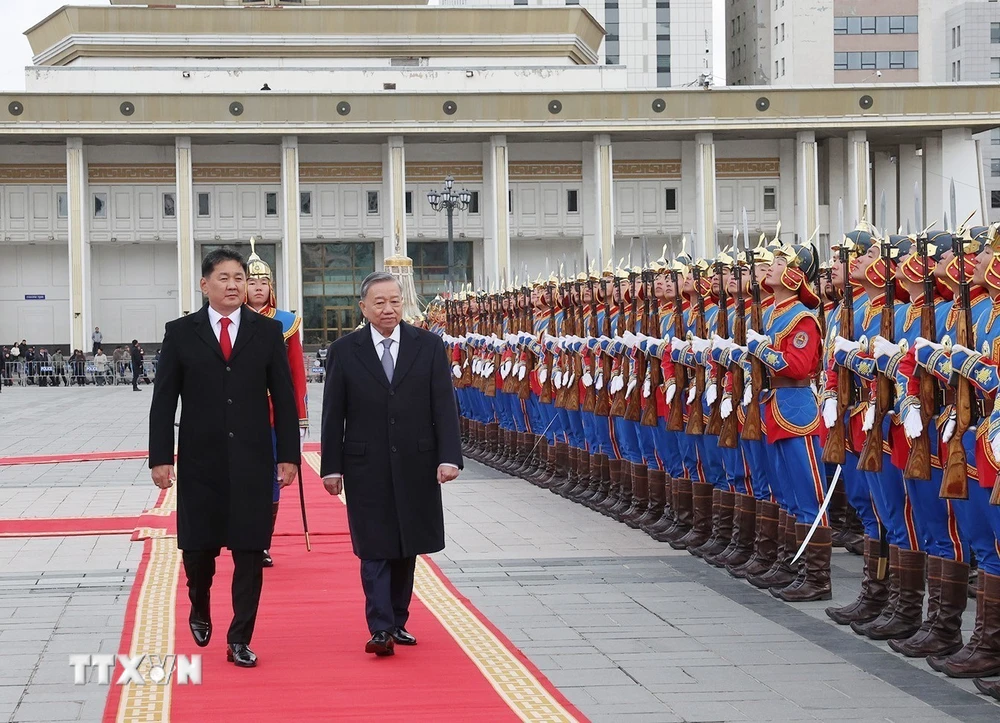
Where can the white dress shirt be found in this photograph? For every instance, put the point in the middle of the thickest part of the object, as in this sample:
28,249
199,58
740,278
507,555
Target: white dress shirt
214,317
377,340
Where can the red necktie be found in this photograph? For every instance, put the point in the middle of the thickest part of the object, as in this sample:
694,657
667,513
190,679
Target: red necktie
224,340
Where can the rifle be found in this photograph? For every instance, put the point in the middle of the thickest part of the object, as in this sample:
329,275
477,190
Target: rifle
918,464
589,394
602,405
753,425
575,362
675,422
633,403
955,482
547,296
650,417
722,325
729,432
870,459
696,415
835,451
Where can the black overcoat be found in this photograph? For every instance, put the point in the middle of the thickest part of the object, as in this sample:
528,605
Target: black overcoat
225,455
388,440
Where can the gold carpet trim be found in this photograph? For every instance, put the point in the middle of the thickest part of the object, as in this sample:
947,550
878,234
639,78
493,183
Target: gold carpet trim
153,632
519,688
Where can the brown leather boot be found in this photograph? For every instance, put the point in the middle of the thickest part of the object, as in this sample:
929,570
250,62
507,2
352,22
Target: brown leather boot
740,546
722,527
938,661
873,596
583,479
947,597
492,449
890,605
683,511
816,583
600,484
268,562
701,527
765,543
542,454
615,487
625,496
980,658
640,496
781,574
666,518
656,483
572,471
989,687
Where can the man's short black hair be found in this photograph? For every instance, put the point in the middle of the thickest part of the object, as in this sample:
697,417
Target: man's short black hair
217,257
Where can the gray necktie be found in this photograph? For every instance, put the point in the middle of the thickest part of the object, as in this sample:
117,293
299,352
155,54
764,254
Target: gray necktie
387,366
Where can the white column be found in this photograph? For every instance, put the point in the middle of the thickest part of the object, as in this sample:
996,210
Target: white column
935,187
189,295
496,184
961,163
290,292
604,199
836,150
806,185
706,196
910,177
886,180
79,244
787,196
394,192
858,180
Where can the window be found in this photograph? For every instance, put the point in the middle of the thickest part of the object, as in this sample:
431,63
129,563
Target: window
897,59
959,29
910,24
520,2
840,61
882,24
995,137
373,203
995,32
572,2
775,34
782,66
474,202
510,200
854,26
840,26
995,168
271,204
670,195
775,68
408,203
169,205
782,31
204,205
430,266
62,205
572,201
994,199
305,203
331,281
953,37
770,198
995,68
100,205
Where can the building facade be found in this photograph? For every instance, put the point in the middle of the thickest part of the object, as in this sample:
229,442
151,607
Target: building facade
149,136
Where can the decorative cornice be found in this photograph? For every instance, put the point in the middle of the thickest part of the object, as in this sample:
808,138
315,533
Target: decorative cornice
550,171
748,168
662,169
237,172
107,173
340,172
436,171
33,173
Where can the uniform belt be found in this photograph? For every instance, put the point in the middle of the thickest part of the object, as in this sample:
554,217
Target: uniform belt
785,382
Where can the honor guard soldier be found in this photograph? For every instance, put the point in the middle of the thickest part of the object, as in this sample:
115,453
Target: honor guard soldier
261,298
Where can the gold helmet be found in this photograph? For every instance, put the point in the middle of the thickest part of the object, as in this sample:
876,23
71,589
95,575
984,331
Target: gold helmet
257,268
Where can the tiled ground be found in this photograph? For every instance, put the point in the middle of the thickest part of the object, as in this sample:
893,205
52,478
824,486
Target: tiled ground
626,627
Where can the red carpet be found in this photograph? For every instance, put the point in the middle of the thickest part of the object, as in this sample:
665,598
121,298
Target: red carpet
310,640
67,526
74,457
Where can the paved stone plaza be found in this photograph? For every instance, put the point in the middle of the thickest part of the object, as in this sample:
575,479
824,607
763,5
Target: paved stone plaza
627,628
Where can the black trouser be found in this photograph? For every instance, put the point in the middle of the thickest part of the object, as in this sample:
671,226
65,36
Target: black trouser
136,373
248,578
388,586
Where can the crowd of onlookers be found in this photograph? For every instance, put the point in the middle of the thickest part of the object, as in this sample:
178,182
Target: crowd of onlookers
24,365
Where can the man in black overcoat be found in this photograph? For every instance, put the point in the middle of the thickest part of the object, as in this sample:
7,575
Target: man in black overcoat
391,439
222,362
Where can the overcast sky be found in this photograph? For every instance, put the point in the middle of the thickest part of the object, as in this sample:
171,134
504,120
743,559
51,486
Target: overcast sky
19,15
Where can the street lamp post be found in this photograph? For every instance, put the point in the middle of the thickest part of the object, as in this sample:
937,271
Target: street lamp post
449,201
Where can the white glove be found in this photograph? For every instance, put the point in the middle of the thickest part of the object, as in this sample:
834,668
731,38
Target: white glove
747,395
699,345
631,385
543,374
647,389
599,382
490,368
557,378
963,349
505,370
521,372
670,393
617,384
570,378
726,407
456,371
588,380
477,365
830,413
840,344
303,433
995,446
711,394
719,343
692,392
754,336
677,344
869,420
884,348
913,423
949,429
921,342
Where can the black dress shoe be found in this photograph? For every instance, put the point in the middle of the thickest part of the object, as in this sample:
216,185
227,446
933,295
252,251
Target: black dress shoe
381,644
402,637
201,629
241,655
268,562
